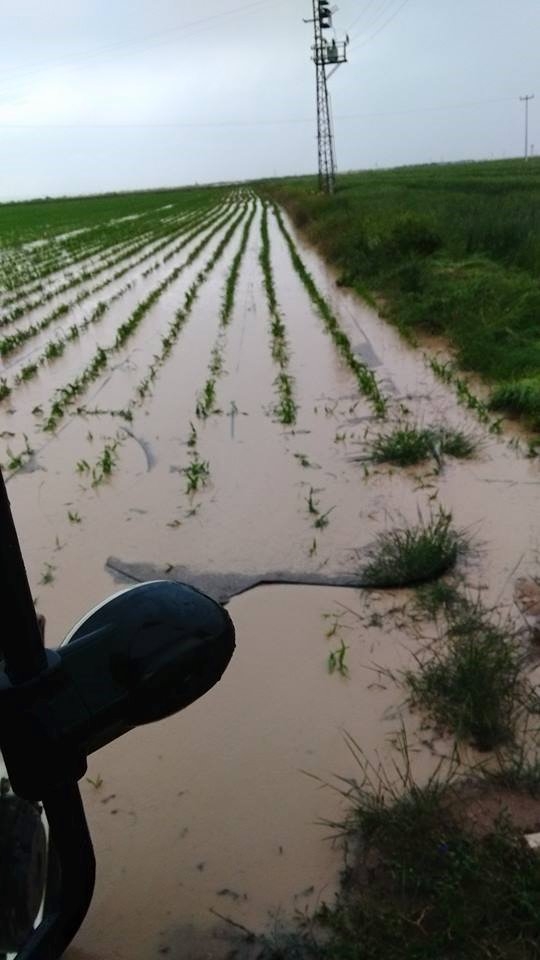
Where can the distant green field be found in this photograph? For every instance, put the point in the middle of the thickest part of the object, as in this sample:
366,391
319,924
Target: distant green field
454,249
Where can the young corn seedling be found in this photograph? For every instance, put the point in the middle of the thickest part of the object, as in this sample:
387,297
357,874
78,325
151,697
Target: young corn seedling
336,660
322,520
48,574
197,474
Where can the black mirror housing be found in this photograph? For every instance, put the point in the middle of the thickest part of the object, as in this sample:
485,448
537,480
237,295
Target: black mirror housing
140,656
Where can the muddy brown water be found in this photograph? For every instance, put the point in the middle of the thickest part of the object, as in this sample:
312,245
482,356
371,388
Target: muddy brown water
213,810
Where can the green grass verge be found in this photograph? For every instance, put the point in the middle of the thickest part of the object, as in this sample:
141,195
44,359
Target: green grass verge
454,249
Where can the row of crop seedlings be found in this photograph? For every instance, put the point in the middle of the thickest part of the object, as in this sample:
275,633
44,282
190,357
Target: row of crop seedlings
159,244
317,515
366,379
11,342
93,264
197,471
149,244
286,407
129,249
39,263
97,242
65,396
56,346
206,400
21,304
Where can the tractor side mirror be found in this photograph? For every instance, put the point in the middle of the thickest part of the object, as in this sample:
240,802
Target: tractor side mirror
144,654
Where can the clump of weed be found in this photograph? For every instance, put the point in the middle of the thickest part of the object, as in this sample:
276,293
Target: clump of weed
5,389
409,445
438,597
412,555
457,443
518,769
470,681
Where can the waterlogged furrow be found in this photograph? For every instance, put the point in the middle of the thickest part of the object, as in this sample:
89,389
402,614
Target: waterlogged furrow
198,471
206,401
365,377
286,408
10,343
65,396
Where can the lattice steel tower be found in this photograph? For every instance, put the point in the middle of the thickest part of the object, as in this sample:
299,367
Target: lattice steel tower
325,54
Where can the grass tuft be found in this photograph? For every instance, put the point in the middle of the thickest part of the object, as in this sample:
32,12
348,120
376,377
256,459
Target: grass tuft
412,555
406,446
422,881
470,682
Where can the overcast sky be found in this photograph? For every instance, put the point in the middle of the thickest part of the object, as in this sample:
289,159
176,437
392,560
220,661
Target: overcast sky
100,95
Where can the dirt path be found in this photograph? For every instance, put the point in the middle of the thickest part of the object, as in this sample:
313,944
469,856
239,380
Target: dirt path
210,811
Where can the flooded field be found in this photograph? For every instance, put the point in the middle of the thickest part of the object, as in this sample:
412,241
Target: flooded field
197,402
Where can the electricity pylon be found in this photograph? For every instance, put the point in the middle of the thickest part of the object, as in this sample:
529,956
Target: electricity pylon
326,54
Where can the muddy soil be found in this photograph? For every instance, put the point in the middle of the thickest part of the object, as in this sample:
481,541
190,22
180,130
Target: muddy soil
217,811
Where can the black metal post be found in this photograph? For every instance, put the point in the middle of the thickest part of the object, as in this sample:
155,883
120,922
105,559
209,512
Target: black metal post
20,639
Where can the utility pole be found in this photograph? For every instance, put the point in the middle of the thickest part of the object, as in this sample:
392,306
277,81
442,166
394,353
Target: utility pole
525,100
325,54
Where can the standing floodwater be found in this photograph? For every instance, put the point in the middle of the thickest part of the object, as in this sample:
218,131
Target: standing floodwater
197,413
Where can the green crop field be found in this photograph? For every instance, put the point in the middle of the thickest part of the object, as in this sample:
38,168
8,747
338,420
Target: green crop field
452,250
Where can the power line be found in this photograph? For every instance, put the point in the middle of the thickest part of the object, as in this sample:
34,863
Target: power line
382,27
360,15
375,18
